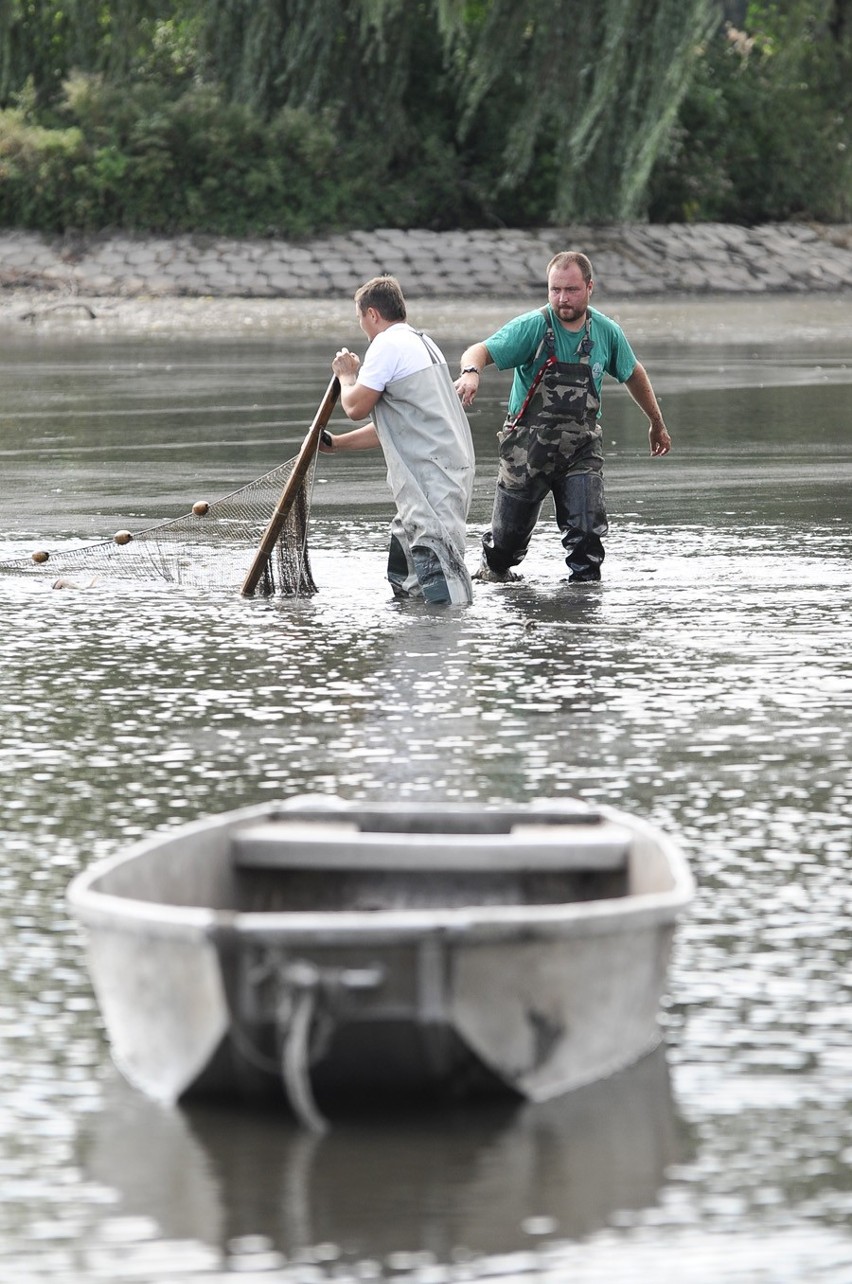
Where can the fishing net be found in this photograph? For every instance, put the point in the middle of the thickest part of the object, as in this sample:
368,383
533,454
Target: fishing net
212,546
254,540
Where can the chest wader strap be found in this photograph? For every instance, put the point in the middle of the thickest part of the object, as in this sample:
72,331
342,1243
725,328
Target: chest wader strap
550,361
549,345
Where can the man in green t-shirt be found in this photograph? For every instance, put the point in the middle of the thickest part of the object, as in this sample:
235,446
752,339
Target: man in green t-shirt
551,442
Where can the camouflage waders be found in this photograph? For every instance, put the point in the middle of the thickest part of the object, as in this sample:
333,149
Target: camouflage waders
553,445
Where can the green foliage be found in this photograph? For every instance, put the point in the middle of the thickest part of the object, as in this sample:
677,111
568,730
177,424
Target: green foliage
35,164
130,159
254,117
764,131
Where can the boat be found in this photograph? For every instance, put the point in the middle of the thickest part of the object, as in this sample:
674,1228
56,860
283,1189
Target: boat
330,950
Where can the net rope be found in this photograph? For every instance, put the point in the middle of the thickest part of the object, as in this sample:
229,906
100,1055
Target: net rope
212,546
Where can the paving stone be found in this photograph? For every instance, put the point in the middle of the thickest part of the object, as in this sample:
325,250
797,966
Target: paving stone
282,281
628,258
261,290
181,265
139,254
133,285
158,286
312,271
107,285
18,255
189,283
224,284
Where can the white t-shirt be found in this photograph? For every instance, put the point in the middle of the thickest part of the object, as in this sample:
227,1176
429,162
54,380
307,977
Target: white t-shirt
395,353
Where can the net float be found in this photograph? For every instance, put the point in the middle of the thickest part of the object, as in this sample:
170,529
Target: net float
281,514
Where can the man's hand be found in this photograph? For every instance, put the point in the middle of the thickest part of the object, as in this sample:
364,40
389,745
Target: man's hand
346,365
473,361
661,442
467,386
356,399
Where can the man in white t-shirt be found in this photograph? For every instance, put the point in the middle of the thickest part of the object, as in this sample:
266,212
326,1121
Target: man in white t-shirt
405,385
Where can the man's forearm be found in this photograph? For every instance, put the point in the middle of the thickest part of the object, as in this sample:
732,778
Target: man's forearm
363,438
639,387
476,355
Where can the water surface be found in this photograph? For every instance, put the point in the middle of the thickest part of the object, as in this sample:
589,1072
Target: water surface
705,684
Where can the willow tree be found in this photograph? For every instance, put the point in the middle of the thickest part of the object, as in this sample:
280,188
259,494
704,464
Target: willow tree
361,59
765,131
43,41
593,87
456,111
377,74
590,91
32,47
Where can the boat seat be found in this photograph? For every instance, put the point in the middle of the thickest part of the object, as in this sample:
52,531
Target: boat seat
336,844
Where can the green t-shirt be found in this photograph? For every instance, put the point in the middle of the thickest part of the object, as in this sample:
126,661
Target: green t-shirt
514,347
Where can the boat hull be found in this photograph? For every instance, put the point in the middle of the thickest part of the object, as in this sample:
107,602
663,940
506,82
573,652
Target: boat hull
500,948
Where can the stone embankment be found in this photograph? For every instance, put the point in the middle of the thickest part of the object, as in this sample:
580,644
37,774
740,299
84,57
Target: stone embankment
630,261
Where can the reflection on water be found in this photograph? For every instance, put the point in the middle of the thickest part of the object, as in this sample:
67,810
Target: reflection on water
705,684
453,1185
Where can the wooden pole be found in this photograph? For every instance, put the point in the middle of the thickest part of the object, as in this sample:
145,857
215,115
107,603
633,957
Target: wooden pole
291,489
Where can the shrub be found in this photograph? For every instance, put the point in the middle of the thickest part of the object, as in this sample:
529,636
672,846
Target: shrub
130,159
762,135
37,165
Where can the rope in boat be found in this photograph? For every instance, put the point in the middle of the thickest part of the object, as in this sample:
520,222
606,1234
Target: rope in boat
300,1001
